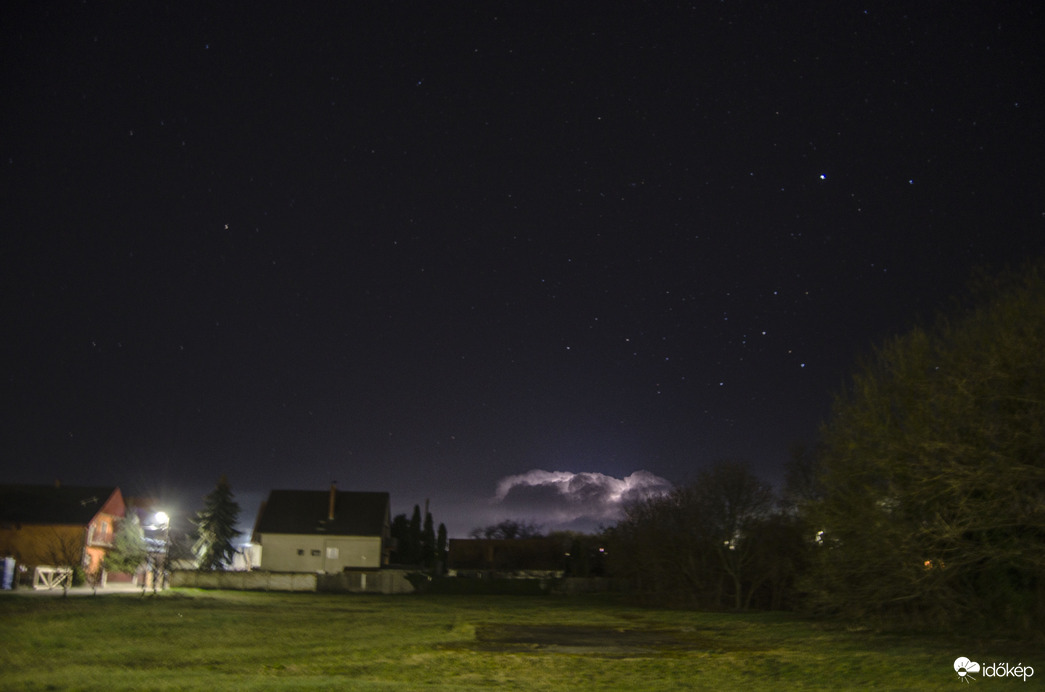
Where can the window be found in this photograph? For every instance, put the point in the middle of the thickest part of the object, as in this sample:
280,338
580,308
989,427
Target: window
332,553
301,551
315,553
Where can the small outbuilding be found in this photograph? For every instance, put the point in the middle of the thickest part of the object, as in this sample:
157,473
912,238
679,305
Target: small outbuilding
323,531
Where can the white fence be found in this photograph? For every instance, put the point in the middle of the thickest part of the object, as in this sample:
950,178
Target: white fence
47,577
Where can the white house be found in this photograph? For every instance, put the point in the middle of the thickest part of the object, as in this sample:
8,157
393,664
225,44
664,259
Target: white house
321,531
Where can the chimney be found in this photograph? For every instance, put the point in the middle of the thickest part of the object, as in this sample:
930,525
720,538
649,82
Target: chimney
333,497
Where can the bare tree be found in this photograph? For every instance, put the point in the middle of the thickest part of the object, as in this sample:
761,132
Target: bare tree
508,529
703,542
734,503
66,549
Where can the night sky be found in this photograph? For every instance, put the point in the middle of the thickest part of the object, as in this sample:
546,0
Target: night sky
437,249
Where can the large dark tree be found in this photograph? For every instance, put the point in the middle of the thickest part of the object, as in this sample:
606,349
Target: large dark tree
216,528
416,542
933,471
401,537
428,555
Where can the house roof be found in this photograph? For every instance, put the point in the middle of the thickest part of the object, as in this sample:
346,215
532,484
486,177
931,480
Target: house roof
307,512
53,504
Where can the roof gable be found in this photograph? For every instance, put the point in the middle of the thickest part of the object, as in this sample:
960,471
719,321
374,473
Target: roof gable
307,512
49,504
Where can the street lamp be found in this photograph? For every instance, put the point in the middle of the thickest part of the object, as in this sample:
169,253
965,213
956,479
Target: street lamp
161,521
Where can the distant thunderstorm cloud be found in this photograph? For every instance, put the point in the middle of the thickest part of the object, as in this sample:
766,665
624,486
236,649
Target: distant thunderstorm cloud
568,500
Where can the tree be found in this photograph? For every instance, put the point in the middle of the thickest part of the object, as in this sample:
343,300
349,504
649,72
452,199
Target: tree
428,555
662,546
442,547
735,504
780,556
416,542
65,549
401,536
707,543
801,478
508,529
128,551
932,471
216,528
413,551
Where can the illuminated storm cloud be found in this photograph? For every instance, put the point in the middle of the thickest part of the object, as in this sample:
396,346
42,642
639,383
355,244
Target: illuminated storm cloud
567,500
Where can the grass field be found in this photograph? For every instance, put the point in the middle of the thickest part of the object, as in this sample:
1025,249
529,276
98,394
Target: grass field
196,640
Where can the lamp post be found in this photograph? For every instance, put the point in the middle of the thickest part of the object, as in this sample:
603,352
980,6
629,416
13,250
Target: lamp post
161,521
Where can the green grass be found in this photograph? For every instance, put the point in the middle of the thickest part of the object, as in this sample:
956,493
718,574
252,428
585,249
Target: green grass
197,640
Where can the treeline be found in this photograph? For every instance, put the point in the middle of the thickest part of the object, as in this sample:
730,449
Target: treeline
922,503
417,542
722,541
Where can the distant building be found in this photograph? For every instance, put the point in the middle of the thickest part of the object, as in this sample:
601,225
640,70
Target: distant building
59,525
506,555
323,531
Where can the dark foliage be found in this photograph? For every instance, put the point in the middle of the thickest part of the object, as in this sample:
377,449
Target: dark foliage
216,528
715,543
508,529
932,473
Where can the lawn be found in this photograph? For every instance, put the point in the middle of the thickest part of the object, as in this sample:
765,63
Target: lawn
196,640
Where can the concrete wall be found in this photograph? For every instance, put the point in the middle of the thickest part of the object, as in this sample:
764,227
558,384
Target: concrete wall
244,581
330,554
386,581
377,581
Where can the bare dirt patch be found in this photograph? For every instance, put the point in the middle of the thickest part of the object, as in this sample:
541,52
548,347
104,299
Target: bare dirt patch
591,639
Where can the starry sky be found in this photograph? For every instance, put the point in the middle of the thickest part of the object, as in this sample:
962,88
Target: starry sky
524,259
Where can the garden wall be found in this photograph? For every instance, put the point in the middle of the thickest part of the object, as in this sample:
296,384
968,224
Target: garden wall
359,581
386,581
254,580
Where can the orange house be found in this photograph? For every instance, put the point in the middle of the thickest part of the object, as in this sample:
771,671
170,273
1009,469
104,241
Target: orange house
58,525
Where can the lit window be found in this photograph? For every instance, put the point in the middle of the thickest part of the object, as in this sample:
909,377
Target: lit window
332,553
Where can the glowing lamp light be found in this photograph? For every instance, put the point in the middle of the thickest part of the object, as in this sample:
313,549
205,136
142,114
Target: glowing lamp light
162,518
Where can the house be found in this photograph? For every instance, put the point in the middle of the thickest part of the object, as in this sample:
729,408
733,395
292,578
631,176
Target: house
323,531
59,525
